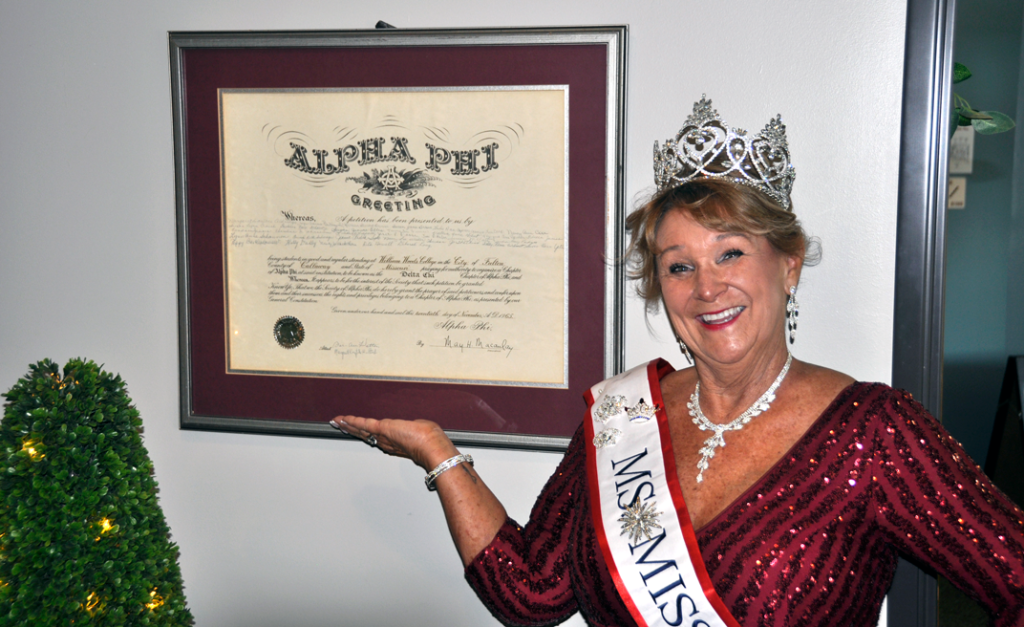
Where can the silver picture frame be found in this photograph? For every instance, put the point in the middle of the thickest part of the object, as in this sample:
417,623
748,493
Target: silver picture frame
201,63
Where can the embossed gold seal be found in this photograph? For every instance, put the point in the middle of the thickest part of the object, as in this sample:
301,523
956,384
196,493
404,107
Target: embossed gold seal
289,332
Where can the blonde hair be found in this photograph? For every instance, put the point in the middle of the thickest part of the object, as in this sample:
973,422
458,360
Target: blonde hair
719,205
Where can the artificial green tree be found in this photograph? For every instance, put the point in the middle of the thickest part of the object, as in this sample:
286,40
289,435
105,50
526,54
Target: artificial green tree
84,541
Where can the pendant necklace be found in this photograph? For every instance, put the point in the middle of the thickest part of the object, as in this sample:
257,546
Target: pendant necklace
718,440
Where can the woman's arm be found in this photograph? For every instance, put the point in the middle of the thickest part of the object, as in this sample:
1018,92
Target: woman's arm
473,513
936,505
522,575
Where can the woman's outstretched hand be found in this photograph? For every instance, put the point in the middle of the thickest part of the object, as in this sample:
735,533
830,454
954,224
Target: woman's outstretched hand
474,515
422,441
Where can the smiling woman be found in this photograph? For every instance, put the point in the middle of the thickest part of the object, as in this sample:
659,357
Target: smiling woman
712,280
721,206
824,483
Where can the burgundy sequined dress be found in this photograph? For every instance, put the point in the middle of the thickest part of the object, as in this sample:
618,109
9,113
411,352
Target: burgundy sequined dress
813,542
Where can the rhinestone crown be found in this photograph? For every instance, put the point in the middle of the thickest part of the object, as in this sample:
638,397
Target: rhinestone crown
706,147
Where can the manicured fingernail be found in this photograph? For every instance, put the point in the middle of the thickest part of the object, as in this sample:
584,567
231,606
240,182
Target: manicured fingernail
337,425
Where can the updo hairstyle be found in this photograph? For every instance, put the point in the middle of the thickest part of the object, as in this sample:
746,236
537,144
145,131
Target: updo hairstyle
715,204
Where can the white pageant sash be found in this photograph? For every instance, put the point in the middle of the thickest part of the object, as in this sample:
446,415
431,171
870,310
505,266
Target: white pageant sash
642,524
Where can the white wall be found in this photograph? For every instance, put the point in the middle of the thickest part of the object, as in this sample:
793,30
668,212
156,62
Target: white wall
286,531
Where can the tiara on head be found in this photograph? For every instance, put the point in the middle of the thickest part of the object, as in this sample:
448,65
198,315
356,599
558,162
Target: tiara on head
706,147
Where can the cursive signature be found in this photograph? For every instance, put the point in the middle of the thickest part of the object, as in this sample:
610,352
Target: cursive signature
477,343
353,349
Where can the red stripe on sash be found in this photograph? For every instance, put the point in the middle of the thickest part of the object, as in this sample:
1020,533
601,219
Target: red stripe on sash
595,512
672,478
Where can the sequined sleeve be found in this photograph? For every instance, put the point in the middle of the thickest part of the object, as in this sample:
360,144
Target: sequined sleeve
523,575
936,505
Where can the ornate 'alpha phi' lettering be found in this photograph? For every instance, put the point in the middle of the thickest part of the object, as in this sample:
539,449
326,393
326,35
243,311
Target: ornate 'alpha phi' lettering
300,161
464,161
372,150
368,151
389,186
400,150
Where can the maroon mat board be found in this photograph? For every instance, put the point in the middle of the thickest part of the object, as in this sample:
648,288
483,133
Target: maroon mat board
302,400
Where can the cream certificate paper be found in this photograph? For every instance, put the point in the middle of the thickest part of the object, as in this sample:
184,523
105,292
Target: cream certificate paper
407,234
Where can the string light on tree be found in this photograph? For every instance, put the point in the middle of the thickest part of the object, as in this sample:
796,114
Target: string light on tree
30,447
156,600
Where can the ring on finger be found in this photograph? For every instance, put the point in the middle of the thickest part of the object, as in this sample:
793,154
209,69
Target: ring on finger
372,440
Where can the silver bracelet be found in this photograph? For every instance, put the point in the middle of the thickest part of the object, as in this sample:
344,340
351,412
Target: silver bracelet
446,465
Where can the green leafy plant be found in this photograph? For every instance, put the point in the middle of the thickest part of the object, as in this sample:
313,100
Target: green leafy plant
984,122
84,541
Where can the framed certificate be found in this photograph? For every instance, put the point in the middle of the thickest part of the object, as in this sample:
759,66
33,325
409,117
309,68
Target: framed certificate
405,224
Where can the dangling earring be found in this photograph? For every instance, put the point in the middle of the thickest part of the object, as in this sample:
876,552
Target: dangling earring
686,351
792,313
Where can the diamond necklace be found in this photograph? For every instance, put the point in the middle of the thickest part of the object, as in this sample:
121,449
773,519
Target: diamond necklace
718,439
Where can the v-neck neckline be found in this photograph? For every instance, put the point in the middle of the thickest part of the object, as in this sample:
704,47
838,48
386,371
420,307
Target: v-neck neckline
801,441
